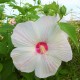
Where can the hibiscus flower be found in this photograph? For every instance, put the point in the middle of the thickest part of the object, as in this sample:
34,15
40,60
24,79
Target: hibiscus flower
12,21
41,46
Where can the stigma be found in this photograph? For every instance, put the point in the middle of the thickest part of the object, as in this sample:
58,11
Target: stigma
41,47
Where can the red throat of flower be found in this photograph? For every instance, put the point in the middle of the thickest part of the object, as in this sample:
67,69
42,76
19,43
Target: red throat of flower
41,47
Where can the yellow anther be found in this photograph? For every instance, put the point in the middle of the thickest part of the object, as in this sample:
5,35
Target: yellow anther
42,49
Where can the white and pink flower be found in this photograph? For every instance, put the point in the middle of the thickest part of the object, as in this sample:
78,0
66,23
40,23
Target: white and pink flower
12,21
41,46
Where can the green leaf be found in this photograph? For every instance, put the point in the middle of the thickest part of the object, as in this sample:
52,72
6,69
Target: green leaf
12,76
64,72
46,9
5,39
28,76
51,9
8,70
10,45
6,28
70,30
3,1
3,43
2,8
1,67
20,9
36,78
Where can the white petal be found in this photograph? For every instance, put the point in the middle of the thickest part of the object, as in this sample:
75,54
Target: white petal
24,58
55,32
46,66
60,47
23,34
44,26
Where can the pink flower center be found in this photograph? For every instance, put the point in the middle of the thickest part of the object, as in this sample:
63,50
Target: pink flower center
41,47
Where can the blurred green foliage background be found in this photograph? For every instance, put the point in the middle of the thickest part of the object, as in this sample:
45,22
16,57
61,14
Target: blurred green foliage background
67,71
